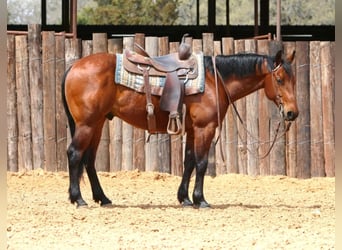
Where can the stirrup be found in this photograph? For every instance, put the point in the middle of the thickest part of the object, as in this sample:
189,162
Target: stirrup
174,126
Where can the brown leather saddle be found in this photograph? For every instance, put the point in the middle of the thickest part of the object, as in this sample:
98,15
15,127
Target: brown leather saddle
177,68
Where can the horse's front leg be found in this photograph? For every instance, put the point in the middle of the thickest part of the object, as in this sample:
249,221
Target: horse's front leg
202,143
198,195
189,165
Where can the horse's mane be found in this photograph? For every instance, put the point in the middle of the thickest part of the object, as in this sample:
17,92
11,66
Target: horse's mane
241,65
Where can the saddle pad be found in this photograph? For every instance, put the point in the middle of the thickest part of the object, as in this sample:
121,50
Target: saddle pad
136,82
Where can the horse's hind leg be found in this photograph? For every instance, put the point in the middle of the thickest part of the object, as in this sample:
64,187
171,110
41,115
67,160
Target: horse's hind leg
82,153
98,194
75,153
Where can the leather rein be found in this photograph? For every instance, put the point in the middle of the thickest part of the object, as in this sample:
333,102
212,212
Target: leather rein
276,134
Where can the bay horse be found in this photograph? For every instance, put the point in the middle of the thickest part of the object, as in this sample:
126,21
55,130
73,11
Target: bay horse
91,96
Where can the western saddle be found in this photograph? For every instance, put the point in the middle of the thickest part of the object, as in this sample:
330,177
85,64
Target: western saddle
177,68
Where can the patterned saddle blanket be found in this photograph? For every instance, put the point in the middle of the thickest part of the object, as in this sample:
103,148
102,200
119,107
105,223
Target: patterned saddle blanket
136,81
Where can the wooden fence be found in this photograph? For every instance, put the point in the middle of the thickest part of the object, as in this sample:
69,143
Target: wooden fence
37,127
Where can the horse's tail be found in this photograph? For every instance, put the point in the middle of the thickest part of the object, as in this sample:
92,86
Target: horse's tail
66,107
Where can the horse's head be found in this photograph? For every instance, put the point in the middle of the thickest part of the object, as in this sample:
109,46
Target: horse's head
280,86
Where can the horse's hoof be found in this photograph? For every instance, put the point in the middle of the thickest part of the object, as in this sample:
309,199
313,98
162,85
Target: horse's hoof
80,203
83,205
105,202
107,205
187,203
202,204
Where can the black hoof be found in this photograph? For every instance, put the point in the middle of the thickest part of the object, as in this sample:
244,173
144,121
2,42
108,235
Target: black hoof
108,203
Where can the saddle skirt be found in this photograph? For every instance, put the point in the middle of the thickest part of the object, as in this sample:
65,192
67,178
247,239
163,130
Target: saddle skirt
157,83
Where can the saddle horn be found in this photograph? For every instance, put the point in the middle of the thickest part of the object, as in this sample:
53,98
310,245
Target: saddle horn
184,50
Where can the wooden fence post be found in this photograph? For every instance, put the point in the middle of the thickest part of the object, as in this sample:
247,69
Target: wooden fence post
115,126
303,120
208,50
252,116
72,53
264,118
316,115
61,119
127,129
139,134
49,98
87,48
277,155
100,44
36,86
176,140
12,119
328,90
23,102
242,134
152,151
230,121
220,164
291,136
164,139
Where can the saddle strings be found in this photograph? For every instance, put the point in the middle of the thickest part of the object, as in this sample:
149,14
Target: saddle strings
275,138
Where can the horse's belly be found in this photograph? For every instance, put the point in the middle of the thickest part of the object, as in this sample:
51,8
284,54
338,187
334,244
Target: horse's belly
130,106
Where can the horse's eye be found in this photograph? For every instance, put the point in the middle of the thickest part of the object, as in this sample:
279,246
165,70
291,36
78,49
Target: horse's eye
279,80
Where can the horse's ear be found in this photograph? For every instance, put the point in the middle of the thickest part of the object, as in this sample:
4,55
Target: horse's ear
278,59
291,57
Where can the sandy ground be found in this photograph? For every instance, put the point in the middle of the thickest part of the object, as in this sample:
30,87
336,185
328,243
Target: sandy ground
247,213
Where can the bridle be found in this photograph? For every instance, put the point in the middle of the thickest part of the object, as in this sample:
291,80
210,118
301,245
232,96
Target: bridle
280,106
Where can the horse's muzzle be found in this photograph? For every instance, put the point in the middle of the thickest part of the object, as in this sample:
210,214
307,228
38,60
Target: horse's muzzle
290,115
287,115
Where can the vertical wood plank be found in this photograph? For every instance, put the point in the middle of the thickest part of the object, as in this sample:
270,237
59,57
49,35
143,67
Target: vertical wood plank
177,140
36,94
316,115
220,156
115,125
127,129
87,48
303,120
291,136
139,134
328,90
252,117
242,134
12,119
164,143
49,98
264,119
72,53
230,121
100,44
23,102
152,151
277,154
208,50
61,119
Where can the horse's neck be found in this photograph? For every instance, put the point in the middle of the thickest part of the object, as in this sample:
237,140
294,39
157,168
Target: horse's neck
239,88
